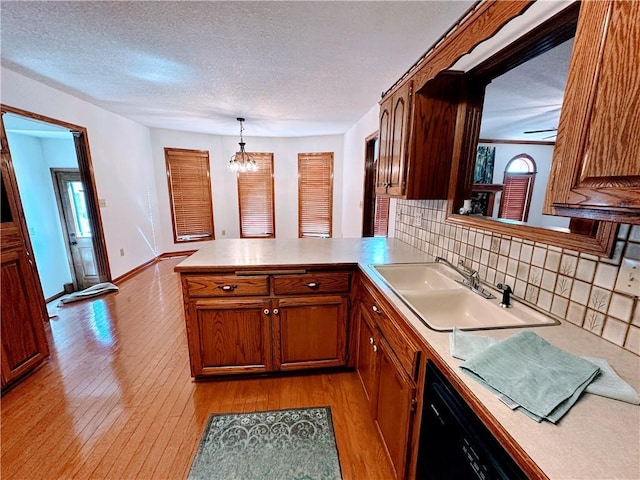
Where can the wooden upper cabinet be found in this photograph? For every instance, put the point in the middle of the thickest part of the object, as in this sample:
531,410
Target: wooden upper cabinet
596,162
394,134
417,132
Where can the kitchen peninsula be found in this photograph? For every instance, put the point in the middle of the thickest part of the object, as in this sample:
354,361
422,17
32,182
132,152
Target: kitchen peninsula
239,289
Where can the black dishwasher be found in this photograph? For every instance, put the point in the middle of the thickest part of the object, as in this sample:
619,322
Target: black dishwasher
454,443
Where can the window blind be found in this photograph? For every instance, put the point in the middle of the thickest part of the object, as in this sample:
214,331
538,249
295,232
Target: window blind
315,194
381,225
256,199
516,196
189,194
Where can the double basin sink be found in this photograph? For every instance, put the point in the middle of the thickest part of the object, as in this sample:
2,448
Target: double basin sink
434,293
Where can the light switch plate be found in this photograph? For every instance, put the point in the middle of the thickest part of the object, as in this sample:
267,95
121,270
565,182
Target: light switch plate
629,277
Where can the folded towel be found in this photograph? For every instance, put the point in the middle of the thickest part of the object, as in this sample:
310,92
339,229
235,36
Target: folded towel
465,345
608,384
544,380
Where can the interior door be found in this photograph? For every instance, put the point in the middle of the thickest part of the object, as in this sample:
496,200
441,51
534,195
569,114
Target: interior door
76,226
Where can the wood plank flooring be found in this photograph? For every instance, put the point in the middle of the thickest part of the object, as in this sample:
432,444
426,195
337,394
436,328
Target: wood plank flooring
116,399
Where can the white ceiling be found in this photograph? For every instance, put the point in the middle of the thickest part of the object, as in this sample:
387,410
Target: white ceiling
292,68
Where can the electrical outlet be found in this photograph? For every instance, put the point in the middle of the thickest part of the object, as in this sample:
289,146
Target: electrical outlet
224,232
122,252
629,277
417,220
102,203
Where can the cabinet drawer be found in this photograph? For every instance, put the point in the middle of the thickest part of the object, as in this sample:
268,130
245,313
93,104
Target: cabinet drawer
226,285
328,282
407,352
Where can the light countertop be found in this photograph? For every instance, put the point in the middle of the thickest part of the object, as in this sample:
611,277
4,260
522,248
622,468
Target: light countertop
599,438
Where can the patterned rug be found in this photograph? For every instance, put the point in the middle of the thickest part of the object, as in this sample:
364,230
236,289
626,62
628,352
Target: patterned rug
296,444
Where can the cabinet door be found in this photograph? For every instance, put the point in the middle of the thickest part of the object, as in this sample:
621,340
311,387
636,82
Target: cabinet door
395,407
399,139
366,364
24,344
382,169
596,171
310,332
232,335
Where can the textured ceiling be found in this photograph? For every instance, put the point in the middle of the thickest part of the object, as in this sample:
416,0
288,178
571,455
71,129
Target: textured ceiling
290,68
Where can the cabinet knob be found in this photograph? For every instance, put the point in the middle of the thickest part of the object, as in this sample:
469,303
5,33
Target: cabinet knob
377,310
371,340
227,288
266,311
375,348
312,284
276,311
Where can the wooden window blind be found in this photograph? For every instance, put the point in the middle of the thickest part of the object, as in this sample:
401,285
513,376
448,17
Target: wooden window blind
516,196
189,194
381,225
315,194
256,199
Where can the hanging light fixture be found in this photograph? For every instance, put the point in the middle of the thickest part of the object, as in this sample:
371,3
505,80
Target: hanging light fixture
241,161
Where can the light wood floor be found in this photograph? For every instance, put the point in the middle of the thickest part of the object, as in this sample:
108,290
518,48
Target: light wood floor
116,399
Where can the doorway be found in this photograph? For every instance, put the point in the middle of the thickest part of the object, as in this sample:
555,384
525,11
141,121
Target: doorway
375,208
88,254
76,228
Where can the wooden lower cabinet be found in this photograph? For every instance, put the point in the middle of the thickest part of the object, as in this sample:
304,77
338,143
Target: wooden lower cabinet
391,391
24,345
284,330
395,407
310,332
233,336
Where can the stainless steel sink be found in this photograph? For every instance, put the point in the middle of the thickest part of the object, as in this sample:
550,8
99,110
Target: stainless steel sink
432,292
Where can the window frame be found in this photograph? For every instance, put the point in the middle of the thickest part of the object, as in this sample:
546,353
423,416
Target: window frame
175,154
302,191
509,179
262,159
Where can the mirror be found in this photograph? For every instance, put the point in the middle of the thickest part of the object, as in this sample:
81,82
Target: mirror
514,103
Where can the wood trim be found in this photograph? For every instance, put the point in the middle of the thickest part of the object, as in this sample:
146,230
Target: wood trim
482,22
182,253
153,261
599,244
135,271
85,165
516,142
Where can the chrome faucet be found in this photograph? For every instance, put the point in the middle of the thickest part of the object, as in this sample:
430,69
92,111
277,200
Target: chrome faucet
469,275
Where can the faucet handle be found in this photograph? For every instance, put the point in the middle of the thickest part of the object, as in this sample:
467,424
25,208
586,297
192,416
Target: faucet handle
506,295
468,269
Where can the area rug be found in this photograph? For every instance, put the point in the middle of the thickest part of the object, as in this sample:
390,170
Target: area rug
295,444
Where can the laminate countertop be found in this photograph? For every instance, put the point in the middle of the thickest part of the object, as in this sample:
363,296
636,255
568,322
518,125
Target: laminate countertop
599,438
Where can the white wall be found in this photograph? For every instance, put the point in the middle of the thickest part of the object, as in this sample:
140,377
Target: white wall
354,160
32,161
224,184
122,163
542,155
129,169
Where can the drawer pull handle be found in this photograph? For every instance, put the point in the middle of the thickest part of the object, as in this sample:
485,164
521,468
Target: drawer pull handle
371,340
377,310
266,311
227,288
312,284
276,311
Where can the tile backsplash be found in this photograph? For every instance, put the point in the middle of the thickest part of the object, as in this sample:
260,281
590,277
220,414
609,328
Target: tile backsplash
586,290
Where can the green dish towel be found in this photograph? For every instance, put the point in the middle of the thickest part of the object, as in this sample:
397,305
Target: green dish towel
542,379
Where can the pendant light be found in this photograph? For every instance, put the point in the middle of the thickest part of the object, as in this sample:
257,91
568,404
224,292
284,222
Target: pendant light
241,161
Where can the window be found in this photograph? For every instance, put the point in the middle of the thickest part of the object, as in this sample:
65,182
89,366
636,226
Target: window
315,194
519,176
381,226
189,194
255,199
